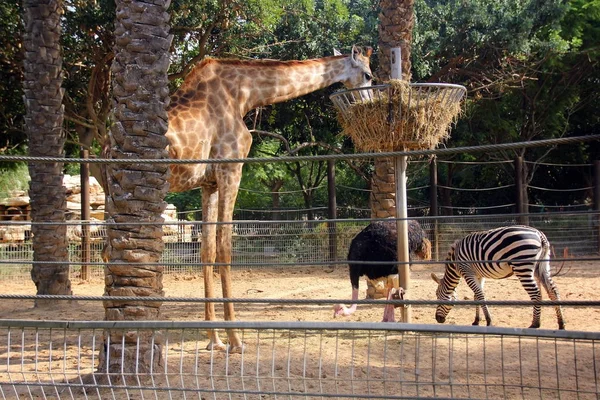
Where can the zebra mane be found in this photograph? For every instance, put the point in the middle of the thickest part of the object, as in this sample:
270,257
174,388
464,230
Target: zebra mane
452,251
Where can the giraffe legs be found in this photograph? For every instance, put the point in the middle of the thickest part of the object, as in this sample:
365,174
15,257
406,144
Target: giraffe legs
227,195
208,252
217,205
224,235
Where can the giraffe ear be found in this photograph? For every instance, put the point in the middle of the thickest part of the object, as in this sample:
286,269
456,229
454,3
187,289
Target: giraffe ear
336,52
356,51
359,51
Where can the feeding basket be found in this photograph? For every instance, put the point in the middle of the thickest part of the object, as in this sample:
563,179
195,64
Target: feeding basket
399,115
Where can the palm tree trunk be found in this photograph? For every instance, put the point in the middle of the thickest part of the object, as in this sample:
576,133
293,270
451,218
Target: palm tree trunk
137,190
396,21
43,122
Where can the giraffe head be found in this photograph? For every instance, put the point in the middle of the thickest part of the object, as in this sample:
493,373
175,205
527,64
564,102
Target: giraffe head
358,71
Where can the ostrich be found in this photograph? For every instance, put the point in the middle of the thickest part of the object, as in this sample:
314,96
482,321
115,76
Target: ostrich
377,242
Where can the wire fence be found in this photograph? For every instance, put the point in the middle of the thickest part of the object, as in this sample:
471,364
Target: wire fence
59,360
286,244
290,358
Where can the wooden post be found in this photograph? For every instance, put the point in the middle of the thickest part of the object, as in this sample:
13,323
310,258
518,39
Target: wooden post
596,218
433,204
332,212
519,198
85,216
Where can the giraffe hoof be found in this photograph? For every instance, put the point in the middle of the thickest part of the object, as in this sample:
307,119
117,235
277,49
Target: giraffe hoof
220,346
236,349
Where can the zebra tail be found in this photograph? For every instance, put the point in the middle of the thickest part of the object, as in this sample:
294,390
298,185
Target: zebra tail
542,269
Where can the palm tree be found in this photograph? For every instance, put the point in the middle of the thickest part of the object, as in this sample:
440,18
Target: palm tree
137,190
43,93
396,21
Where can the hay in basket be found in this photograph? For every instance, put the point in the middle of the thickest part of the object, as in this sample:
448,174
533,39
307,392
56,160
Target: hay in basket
401,116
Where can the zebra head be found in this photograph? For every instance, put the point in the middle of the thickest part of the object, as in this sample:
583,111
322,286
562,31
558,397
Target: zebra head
446,289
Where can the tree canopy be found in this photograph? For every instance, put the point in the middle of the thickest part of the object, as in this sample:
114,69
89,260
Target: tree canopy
531,70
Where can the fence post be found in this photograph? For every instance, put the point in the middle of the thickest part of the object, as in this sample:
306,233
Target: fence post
332,211
85,216
519,200
596,218
433,203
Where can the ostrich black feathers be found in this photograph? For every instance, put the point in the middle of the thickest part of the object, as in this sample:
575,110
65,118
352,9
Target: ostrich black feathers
377,242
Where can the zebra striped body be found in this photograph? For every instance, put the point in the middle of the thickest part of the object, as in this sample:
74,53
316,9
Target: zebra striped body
498,254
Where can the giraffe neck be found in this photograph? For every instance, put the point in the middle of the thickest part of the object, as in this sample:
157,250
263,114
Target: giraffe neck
251,84
287,80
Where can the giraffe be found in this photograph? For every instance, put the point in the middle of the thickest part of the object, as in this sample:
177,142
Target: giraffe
206,122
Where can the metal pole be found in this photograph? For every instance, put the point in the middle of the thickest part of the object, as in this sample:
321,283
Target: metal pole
433,204
402,229
401,209
85,216
396,60
332,214
596,218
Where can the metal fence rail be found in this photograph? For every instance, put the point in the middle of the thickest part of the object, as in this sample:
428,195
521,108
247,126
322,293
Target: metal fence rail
46,359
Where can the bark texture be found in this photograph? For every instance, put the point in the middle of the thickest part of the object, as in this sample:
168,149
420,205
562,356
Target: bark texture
396,21
43,94
137,190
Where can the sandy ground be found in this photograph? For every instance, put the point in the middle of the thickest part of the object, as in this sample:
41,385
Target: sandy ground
578,281
300,356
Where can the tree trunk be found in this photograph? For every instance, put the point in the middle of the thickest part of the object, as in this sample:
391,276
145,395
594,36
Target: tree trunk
276,198
396,21
43,96
137,190
383,189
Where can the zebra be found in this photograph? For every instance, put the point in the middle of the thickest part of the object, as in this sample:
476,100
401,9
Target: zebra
498,254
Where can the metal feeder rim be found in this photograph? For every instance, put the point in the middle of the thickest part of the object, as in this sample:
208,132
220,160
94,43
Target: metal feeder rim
387,85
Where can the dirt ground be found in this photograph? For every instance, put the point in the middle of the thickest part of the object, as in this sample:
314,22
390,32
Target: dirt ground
578,281
291,359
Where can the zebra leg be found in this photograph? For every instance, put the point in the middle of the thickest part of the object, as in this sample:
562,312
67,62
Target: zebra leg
476,285
477,316
535,294
552,291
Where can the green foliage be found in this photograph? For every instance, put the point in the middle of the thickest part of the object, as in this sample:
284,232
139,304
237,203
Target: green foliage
188,201
531,69
11,106
13,177
482,34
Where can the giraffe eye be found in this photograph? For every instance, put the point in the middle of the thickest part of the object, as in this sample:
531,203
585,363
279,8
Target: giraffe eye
368,76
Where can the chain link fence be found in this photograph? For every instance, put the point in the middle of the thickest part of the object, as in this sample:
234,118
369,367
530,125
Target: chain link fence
291,243
299,360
